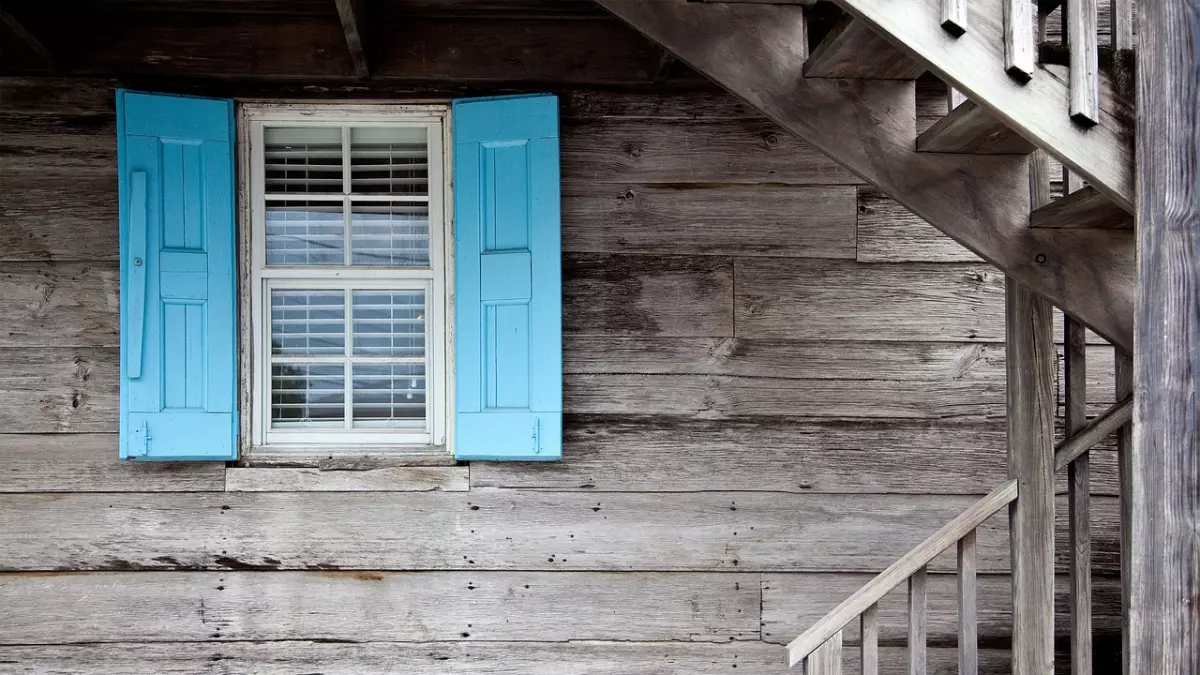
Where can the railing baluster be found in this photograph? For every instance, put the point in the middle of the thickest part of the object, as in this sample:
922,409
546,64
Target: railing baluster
917,590
827,659
1018,39
968,620
869,622
1123,381
954,17
1078,499
1079,31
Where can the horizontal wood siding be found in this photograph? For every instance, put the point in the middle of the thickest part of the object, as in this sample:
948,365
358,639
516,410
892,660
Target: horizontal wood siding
777,381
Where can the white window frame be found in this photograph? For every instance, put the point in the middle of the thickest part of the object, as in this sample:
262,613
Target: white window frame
437,280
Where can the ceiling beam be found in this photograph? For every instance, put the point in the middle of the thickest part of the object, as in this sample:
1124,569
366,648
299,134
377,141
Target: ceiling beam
30,40
869,126
351,14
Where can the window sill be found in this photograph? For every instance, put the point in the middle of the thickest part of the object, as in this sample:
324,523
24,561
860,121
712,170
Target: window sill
347,458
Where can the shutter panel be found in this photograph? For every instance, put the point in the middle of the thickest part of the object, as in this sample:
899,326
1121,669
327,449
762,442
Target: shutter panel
178,308
508,279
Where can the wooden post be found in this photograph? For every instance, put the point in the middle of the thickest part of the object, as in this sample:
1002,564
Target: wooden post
1164,552
1079,499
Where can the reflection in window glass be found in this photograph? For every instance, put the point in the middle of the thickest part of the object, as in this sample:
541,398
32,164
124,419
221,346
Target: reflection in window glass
308,395
303,233
389,323
389,161
303,160
389,235
308,323
388,392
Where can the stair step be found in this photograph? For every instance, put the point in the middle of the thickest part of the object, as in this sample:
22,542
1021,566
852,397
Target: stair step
1083,209
971,130
852,50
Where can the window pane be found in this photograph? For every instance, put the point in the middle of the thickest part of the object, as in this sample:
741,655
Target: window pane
308,323
303,160
389,235
389,323
391,161
388,392
305,233
308,394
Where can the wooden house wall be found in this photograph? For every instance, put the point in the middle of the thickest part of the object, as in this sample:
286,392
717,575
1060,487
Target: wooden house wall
777,381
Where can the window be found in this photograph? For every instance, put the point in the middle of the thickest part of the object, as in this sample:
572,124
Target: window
349,274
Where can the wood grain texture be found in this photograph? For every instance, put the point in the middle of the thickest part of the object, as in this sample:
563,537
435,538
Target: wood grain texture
1123,386
387,479
52,389
1018,40
971,129
1078,498
89,463
1082,36
888,232
827,659
377,606
58,304
1165,478
918,592
495,529
33,208
760,220
1086,208
911,301
676,296
968,606
868,626
852,50
352,15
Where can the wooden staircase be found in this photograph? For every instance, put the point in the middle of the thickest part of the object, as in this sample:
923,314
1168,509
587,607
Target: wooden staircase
969,175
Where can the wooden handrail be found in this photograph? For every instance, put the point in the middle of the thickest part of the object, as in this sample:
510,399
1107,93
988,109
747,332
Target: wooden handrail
902,569
1114,418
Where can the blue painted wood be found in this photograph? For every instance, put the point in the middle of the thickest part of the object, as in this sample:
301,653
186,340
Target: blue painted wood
508,279
178,293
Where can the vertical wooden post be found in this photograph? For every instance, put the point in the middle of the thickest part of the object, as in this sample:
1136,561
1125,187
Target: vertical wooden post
1079,499
1031,363
1164,552
1123,381
968,617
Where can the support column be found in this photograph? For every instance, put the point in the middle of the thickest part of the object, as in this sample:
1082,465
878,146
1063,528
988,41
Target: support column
1164,532
1031,362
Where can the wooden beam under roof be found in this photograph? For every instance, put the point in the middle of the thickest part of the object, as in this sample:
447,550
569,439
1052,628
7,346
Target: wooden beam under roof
25,35
350,12
982,202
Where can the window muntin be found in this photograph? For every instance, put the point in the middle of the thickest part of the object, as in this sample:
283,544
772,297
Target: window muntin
350,278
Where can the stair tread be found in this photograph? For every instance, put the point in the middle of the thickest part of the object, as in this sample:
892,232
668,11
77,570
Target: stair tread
853,50
1086,208
971,130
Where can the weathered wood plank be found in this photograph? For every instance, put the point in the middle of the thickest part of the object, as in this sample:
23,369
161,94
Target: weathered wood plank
868,627
445,658
1078,494
918,592
752,150
1083,209
761,220
58,304
783,616
44,390
954,17
387,479
970,129
495,529
968,606
678,296
827,659
888,232
35,209
380,606
852,50
1081,28
89,463
823,300
352,13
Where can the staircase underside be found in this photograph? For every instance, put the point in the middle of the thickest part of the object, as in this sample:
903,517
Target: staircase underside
758,53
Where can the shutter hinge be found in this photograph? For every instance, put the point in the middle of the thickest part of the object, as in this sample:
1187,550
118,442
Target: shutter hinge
537,436
141,441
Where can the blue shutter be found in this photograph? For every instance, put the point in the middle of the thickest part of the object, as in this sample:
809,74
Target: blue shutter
508,279
178,308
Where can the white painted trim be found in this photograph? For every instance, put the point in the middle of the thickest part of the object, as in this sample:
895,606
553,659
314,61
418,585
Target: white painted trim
436,280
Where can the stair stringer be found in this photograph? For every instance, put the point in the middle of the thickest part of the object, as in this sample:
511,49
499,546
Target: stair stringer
869,126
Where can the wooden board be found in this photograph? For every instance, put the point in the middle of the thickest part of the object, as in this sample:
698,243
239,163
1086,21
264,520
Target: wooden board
824,300
377,606
760,220
385,479
1085,208
52,389
853,50
496,529
890,233
34,208
970,129
89,463
59,304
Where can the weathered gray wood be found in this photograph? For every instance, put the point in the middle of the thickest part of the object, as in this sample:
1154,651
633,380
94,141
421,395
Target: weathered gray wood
1080,23
954,17
970,129
462,657
869,637
1076,445
751,50
388,479
740,150
495,529
1123,387
377,606
1018,39
776,299
1078,497
760,220
918,592
1083,209
888,232
968,606
677,296
852,50
50,389
1030,420
1165,479
1120,21
34,207
827,659
58,304
784,616
89,463
912,563
351,13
